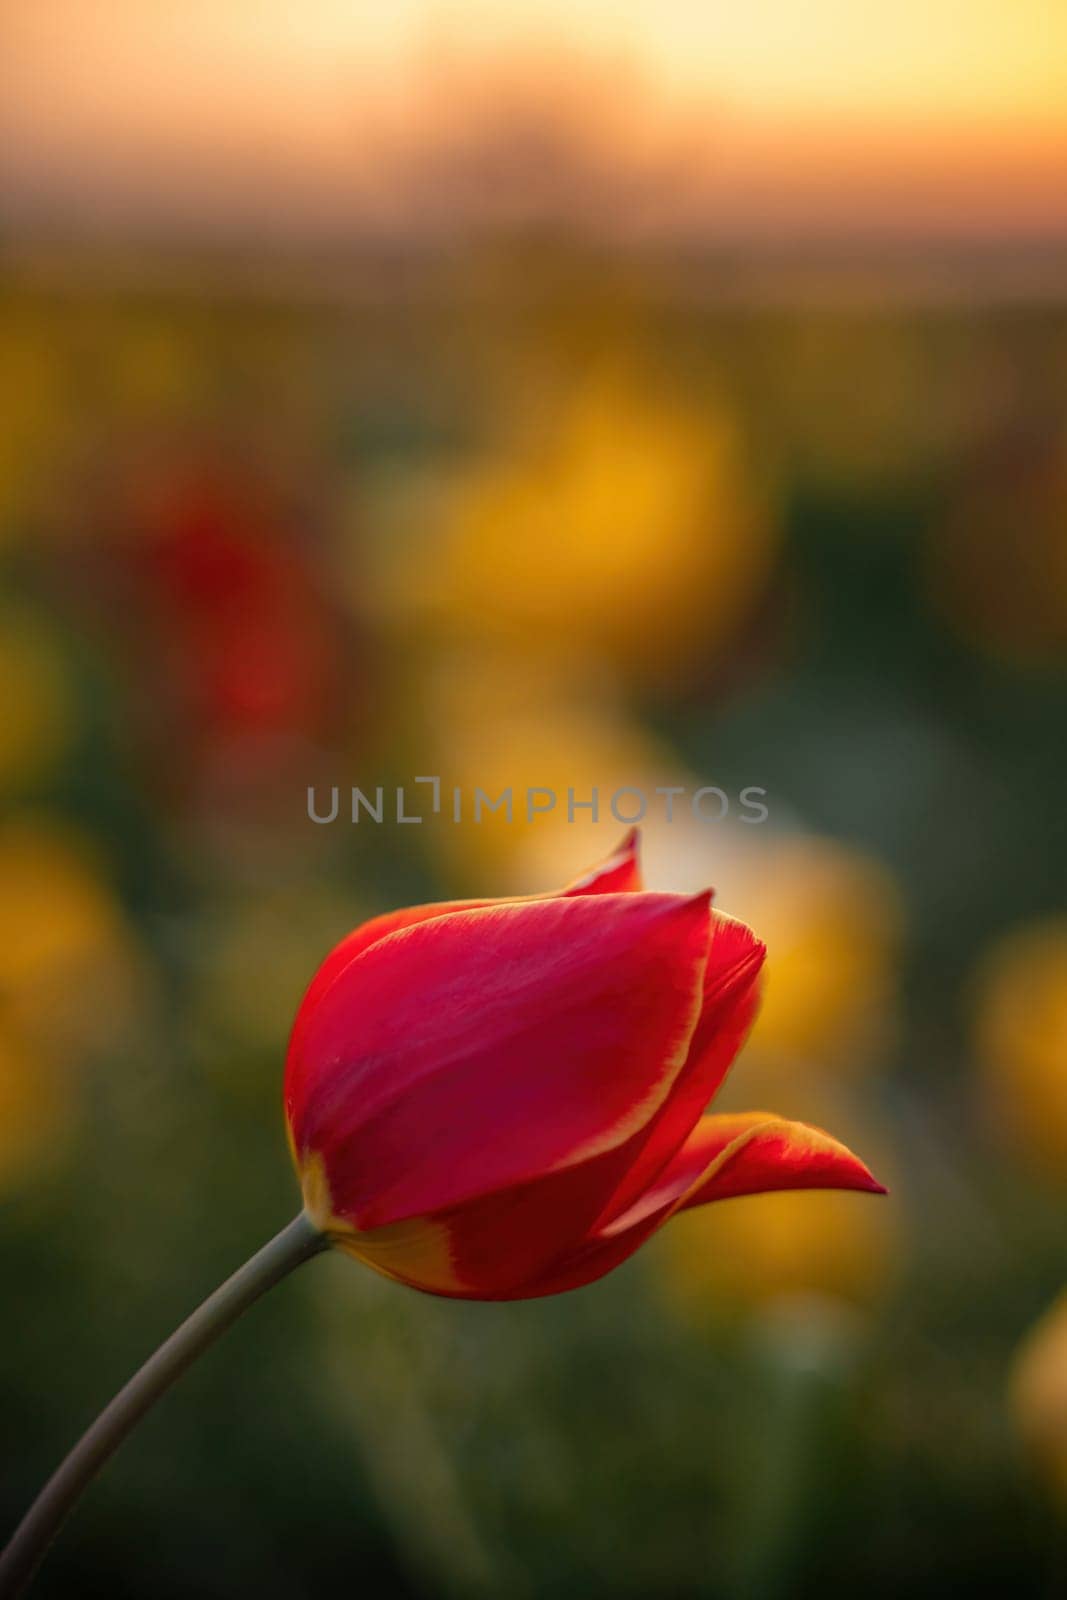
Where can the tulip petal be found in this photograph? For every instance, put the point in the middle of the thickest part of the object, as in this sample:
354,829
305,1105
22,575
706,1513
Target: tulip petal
488,1248
731,999
618,873
596,1256
749,1152
753,1153
494,1046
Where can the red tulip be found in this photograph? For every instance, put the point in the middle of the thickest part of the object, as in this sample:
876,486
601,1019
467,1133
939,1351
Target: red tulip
495,1100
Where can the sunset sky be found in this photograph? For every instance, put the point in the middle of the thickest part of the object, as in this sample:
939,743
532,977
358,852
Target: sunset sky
790,114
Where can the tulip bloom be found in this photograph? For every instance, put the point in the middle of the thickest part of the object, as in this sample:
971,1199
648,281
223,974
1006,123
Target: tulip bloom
496,1100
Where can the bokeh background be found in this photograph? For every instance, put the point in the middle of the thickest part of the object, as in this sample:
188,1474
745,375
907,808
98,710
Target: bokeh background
576,395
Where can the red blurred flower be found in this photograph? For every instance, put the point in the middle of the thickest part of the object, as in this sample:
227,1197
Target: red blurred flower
247,638
504,1099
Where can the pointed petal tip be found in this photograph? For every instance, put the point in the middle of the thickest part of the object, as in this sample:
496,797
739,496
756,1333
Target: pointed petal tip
854,1175
863,1180
753,1152
628,849
697,906
617,873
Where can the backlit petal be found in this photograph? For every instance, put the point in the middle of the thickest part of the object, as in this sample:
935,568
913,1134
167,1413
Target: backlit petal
731,999
747,1153
488,1248
752,1153
483,1048
618,873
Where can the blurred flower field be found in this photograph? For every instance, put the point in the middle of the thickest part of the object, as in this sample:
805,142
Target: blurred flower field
532,516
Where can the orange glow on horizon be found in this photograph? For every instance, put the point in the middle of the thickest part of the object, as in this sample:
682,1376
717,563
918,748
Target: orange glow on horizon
787,113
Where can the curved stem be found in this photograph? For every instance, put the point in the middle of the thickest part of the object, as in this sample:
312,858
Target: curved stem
296,1243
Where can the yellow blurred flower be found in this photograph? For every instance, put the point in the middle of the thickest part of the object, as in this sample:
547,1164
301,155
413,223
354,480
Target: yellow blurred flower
69,969
37,717
1021,1036
34,402
497,721
154,367
830,914
70,979
831,919
729,1258
1037,1398
724,1260
619,524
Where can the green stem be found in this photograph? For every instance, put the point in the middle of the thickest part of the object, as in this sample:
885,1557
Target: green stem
295,1244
